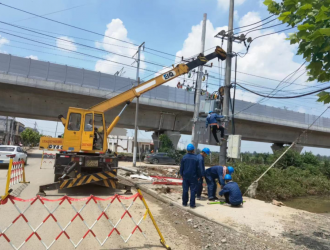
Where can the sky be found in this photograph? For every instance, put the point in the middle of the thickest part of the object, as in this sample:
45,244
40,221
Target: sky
173,27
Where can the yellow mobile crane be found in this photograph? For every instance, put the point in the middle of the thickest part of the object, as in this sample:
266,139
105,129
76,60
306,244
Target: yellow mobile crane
83,156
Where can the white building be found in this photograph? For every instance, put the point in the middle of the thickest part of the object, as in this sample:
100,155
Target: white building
118,141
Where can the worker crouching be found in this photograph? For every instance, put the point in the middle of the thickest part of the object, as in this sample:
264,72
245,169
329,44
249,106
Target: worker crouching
231,191
213,173
191,173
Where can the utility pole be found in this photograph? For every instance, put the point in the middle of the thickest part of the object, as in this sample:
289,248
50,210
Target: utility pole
11,131
137,105
223,147
194,135
6,138
56,129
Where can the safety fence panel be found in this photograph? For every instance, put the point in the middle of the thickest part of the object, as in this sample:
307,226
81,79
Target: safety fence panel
47,160
110,225
16,174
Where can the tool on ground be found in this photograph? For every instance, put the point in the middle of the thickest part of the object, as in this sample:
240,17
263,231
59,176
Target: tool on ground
218,202
85,134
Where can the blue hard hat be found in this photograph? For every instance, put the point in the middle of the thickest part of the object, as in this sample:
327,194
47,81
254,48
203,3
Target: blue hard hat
206,151
227,177
210,112
230,169
190,147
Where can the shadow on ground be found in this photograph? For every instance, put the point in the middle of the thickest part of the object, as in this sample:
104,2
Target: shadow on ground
315,241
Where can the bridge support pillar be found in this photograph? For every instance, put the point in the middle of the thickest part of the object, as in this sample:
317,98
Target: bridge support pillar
174,136
278,146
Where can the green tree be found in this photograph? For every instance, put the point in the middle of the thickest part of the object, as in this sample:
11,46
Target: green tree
166,144
30,136
311,17
309,158
291,158
326,168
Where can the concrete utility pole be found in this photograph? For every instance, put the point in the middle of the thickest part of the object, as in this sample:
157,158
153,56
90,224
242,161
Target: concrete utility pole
11,131
6,138
56,129
223,147
137,105
194,135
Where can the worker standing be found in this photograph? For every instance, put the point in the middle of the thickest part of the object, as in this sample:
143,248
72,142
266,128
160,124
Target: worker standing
190,172
201,156
216,172
231,191
212,121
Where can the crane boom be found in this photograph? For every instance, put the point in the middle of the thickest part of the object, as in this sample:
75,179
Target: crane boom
180,69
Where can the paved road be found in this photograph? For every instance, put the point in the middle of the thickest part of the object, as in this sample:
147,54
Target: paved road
48,231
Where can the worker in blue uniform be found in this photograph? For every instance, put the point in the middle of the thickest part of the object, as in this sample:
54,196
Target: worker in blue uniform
201,156
231,191
191,173
211,121
216,172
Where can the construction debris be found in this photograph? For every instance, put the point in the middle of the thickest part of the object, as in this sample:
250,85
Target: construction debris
161,180
141,176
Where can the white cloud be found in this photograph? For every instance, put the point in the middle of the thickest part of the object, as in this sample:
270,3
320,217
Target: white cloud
116,29
3,41
67,44
224,4
32,57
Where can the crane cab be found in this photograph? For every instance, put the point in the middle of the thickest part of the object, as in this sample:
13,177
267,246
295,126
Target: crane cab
84,131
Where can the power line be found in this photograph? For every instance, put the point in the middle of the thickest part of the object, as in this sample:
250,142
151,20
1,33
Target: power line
264,28
76,37
163,52
76,27
272,33
283,97
69,25
80,44
251,23
54,12
257,26
272,91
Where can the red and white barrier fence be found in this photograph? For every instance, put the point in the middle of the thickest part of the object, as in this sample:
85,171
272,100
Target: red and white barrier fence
47,158
113,225
16,174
